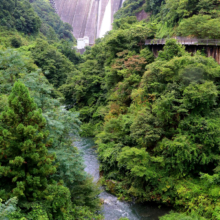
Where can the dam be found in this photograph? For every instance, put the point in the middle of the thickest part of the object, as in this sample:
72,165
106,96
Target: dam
89,18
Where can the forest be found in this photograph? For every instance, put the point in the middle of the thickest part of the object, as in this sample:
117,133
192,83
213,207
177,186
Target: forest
155,120
42,173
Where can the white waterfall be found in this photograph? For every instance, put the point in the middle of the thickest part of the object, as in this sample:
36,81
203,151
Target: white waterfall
107,20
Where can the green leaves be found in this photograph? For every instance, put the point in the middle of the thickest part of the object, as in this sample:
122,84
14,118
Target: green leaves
182,216
52,26
153,6
7,208
171,49
161,122
138,161
47,58
146,129
130,8
20,15
25,138
200,97
200,26
167,108
18,161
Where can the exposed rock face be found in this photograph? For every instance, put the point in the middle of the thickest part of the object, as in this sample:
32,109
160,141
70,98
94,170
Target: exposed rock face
91,18
143,15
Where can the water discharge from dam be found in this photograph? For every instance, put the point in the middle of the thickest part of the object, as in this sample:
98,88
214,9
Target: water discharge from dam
91,18
106,22
113,209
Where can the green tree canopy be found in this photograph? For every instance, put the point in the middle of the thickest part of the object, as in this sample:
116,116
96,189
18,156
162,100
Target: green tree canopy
25,162
54,64
20,15
51,21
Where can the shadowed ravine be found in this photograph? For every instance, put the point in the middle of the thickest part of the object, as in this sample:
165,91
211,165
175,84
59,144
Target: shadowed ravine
114,209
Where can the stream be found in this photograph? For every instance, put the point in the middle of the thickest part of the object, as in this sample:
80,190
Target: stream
113,209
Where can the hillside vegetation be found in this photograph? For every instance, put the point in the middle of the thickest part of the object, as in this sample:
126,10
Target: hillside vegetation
156,121
41,173
188,18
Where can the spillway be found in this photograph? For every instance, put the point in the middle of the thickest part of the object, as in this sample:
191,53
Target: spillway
89,18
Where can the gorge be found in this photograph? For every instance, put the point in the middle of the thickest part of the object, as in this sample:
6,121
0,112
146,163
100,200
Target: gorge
126,130
113,209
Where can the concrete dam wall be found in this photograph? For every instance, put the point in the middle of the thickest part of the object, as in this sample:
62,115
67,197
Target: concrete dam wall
90,18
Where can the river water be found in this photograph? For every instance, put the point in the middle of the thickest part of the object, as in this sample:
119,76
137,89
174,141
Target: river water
114,209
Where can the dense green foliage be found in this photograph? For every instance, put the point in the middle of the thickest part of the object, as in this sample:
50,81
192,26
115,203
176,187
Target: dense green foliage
188,18
198,13
55,63
41,173
175,216
30,18
81,193
130,8
25,161
155,120
8,207
153,6
52,26
20,15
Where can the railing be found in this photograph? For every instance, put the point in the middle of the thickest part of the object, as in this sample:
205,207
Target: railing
184,41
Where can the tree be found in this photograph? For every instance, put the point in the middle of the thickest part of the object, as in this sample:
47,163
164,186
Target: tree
124,23
182,216
19,15
25,162
130,8
170,50
67,48
16,42
13,65
153,6
200,26
55,64
6,9
50,19
8,207
26,20
174,11
51,35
